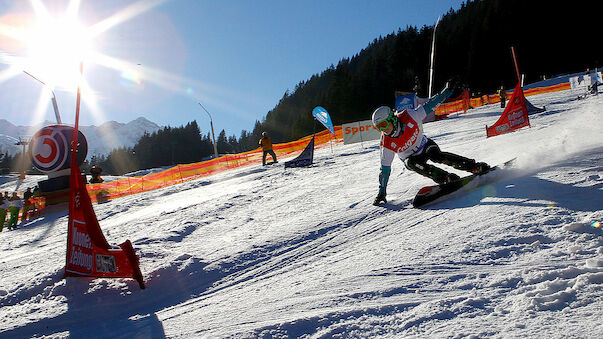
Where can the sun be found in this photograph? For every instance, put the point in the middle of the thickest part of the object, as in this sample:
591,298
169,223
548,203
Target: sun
58,50
55,47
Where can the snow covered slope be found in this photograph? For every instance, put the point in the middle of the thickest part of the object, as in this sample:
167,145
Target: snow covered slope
269,252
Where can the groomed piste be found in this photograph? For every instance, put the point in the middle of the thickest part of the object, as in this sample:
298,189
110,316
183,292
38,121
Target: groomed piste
268,252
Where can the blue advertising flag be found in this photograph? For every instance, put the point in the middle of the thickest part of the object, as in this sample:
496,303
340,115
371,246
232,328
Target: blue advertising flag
322,115
405,102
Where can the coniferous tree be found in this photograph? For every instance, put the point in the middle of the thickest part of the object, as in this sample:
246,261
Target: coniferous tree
472,44
165,147
222,143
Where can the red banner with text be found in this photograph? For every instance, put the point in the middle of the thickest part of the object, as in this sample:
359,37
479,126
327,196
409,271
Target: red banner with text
515,115
88,252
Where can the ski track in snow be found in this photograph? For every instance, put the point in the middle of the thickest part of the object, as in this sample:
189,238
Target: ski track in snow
269,252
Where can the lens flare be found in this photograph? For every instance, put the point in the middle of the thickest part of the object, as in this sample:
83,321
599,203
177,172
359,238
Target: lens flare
488,191
52,48
132,75
596,224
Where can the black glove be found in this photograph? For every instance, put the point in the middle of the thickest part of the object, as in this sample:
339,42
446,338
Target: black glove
453,84
379,199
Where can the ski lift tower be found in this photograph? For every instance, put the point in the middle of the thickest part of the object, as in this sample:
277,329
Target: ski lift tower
23,141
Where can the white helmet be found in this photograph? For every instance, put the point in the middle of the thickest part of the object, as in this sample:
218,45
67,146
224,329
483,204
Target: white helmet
383,113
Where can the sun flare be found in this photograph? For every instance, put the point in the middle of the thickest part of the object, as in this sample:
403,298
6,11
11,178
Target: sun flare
55,48
50,47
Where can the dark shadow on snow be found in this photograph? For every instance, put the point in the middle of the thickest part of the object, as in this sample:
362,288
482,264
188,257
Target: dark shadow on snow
532,191
88,316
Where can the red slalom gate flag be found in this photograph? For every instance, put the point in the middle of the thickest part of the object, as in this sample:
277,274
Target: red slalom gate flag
514,117
88,252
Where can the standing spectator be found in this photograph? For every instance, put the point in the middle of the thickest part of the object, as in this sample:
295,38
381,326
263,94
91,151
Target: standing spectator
36,201
3,208
266,144
503,96
96,175
14,206
27,204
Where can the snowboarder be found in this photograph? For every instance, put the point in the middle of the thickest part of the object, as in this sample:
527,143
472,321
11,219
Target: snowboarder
402,134
266,144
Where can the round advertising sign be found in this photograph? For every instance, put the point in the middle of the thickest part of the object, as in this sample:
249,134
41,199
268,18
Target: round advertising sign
50,148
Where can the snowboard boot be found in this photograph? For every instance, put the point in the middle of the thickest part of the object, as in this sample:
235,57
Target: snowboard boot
379,199
452,178
427,170
480,168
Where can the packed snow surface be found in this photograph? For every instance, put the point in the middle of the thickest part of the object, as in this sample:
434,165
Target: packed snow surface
274,252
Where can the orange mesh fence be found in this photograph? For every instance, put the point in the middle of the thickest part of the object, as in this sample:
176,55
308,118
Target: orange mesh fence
449,107
181,173
460,103
455,106
550,89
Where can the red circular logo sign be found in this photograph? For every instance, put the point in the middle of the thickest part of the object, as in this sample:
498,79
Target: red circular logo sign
49,149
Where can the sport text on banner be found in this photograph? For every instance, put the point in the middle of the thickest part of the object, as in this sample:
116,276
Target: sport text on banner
359,131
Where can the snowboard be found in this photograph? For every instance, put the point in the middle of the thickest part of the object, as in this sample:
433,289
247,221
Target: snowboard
429,194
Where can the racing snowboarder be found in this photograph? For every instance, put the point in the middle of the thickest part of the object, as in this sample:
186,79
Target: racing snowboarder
402,134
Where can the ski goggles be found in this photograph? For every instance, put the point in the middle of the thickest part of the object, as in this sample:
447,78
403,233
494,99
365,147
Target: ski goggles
382,126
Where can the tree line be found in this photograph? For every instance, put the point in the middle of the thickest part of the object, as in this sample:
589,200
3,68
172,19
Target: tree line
473,45
166,147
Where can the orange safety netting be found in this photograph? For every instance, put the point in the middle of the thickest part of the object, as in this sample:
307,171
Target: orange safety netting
459,105
181,173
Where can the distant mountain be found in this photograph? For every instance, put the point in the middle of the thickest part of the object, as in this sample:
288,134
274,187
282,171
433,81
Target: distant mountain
101,139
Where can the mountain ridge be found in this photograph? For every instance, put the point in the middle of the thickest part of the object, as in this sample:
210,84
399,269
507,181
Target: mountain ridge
101,139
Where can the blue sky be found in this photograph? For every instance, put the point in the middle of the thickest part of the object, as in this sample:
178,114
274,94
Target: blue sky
235,57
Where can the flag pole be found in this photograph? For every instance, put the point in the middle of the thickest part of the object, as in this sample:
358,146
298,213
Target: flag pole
77,110
515,62
77,118
331,144
73,188
432,57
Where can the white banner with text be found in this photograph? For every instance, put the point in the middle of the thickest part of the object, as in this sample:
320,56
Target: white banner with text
359,131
